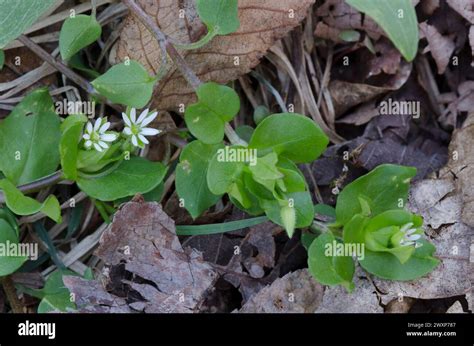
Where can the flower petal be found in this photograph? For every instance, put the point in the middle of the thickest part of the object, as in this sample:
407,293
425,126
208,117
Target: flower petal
104,127
142,116
97,124
149,119
133,115
126,119
89,127
103,144
97,147
108,137
143,139
127,130
413,237
86,136
148,131
134,141
88,144
406,227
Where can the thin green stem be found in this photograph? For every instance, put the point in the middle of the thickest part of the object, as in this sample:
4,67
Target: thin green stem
196,45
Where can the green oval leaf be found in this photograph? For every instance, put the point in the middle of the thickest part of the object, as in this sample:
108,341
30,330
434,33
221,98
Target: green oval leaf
8,238
383,188
222,175
23,205
17,16
127,84
191,173
133,176
397,18
56,296
327,266
290,135
76,33
217,104
220,16
71,130
387,266
29,139
2,58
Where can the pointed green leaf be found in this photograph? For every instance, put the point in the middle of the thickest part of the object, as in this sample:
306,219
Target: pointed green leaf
383,188
29,138
8,238
397,18
290,135
191,173
23,205
127,84
217,104
133,176
327,266
71,130
17,16
76,33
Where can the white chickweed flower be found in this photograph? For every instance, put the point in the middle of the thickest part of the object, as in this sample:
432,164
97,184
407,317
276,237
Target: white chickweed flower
96,135
409,237
136,128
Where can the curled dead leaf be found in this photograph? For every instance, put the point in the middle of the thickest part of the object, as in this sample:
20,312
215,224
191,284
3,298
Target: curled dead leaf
224,59
296,292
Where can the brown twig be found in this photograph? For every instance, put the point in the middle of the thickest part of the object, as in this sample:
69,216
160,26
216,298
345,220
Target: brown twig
35,48
10,292
150,24
79,80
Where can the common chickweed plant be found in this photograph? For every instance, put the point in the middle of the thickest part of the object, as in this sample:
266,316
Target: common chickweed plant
258,172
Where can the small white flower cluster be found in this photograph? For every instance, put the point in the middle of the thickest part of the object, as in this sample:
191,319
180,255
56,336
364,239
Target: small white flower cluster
409,238
97,137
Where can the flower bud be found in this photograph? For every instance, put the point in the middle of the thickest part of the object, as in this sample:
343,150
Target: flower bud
288,218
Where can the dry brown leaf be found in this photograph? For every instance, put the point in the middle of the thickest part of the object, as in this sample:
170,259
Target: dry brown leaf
362,300
296,292
461,165
144,238
346,95
262,23
338,16
464,8
441,47
429,6
146,262
471,42
91,297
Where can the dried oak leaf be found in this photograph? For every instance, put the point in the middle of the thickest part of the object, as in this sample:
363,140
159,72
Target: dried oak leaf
362,300
165,277
441,47
296,292
262,22
346,95
92,297
464,8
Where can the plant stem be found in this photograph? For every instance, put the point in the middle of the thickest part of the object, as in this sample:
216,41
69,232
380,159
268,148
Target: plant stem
233,136
79,80
10,292
180,63
37,185
150,24
35,48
